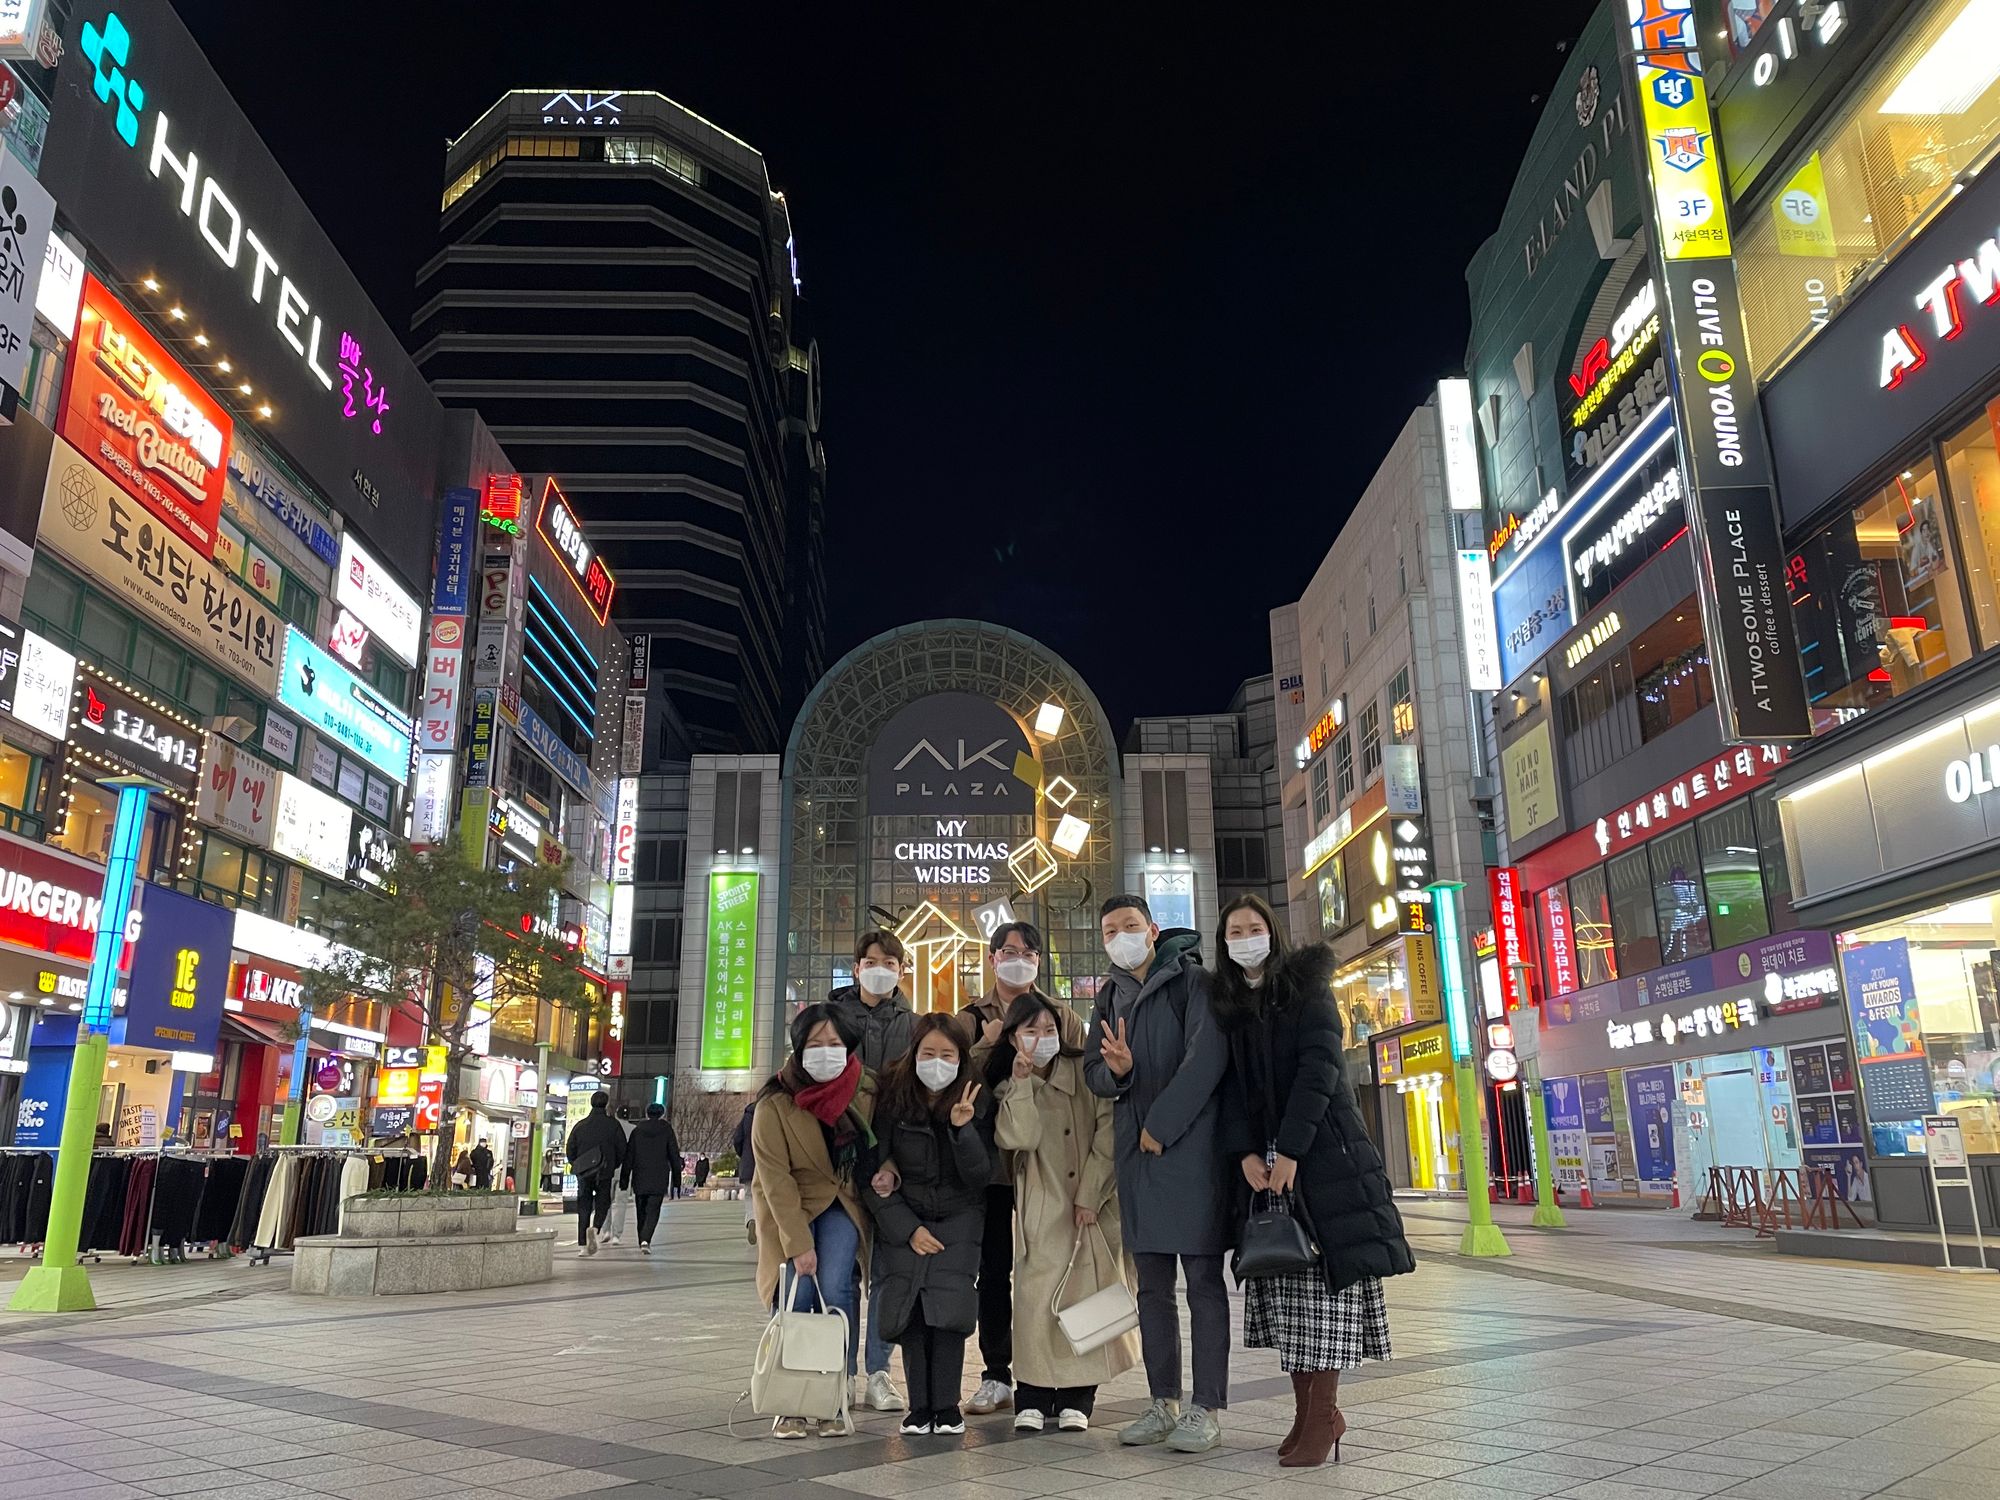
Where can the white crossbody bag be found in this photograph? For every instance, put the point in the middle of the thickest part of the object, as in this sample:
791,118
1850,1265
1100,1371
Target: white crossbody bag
801,1368
1105,1313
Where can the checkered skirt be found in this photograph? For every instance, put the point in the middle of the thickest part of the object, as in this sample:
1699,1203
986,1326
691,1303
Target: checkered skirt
1313,1328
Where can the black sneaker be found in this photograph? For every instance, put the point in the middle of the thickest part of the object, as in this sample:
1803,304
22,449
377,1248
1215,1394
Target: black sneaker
948,1420
918,1424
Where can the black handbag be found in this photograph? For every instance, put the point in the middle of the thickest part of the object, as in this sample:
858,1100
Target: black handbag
1277,1238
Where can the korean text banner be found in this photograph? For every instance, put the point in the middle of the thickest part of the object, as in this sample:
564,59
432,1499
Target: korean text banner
730,999
91,523
342,707
180,973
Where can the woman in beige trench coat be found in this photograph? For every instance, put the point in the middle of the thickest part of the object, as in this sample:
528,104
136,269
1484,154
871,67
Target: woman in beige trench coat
1057,1135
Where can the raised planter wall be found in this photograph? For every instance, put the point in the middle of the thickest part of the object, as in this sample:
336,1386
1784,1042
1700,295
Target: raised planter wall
423,1243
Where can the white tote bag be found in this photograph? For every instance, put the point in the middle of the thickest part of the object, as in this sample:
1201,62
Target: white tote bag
1106,1313
801,1368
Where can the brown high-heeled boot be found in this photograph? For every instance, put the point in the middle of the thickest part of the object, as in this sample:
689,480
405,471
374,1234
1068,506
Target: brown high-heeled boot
1301,1391
1324,1425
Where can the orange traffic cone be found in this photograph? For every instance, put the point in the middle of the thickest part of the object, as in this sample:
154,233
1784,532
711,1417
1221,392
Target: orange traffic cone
1583,1197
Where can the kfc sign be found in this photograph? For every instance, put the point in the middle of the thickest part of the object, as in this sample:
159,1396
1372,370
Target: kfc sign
138,416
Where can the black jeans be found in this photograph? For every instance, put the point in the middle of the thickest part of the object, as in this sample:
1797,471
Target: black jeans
1160,1327
593,1203
934,1361
649,1215
996,1288
1052,1401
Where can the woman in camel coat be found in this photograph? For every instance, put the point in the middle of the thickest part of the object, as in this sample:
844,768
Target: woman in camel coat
1058,1137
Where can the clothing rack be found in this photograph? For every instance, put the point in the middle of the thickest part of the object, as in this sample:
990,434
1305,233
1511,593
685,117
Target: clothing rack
153,1247
260,1253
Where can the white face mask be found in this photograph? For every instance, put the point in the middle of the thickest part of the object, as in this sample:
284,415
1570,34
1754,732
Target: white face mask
1128,949
1020,972
879,981
1250,952
936,1073
1043,1048
824,1063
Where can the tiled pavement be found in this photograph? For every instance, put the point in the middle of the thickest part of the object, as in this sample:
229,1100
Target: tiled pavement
1637,1357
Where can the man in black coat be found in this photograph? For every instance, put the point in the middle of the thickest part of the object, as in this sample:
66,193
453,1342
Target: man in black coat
482,1166
596,1150
652,1160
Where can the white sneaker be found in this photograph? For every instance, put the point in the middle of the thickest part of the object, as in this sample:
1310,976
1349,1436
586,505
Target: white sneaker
882,1393
590,1241
1072,1420
585,1253
609,1239
1027,1420
645,1248
992,1396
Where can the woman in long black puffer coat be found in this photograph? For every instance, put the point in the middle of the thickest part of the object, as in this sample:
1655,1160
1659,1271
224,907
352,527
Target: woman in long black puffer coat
1290,1121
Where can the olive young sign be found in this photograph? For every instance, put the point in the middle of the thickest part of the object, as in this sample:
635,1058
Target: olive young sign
1732,507
158,170
951,754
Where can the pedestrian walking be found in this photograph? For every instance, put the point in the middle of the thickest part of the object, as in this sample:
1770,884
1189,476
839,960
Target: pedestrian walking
931,1125
621,1198
481,1165
596,1149
880,1016
1014,962
815,1150
649,1169
461,1170
1155,1052
1058,1135
1291,1122
700,1173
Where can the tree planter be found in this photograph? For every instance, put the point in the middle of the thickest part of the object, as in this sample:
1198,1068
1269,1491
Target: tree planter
423,1243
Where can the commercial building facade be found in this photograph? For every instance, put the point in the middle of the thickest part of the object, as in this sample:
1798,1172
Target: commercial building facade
1379,755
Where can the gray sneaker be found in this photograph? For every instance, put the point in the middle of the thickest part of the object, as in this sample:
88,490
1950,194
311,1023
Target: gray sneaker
1197,1431
1154,1424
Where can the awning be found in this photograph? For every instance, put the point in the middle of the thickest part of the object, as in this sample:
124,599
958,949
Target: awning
250,1029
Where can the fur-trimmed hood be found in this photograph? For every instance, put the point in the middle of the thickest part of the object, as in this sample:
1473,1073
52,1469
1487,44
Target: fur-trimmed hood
1303,972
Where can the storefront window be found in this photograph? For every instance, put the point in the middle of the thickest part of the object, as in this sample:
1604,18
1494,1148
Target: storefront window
1877,600
1885,165
1598,726
1677,896
1332,898
1590,918
1972,474
1771,854
1373,994
1731,875
230,875
87,831
20,790
1670,671
1633,921
1926,1003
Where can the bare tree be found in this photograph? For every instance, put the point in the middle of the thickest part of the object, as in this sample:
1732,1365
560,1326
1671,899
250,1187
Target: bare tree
705,1119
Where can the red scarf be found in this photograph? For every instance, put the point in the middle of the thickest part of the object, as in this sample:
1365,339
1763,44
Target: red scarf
827,1102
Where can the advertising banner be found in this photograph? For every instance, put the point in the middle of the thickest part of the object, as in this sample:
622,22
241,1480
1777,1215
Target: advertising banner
1563,1099
391,612
544,741
239,793
23,251
559,526
118,728
730,998
89,521
437,724
342,707
1528,771
312,827
44,1095
132,410
451,584
1649,1100
1889,1040
297,515
1510,928
1600,1130
1732,509
625,828
36,677
180,973
1475,617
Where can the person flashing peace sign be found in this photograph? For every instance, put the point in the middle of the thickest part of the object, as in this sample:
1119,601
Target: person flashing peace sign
934,1123
1155,1052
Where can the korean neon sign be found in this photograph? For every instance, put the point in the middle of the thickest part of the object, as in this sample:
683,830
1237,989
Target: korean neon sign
560,528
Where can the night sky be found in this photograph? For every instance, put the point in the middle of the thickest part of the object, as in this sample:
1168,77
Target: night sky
1116,322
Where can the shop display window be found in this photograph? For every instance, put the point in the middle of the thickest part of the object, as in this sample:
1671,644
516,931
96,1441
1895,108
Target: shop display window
230,875
20,791
1634,922
1880,168
1926,1004
1972,475
1373,994
1877,598
1678,902
1590,920
1670,671
1732,875
86,830
1332,898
